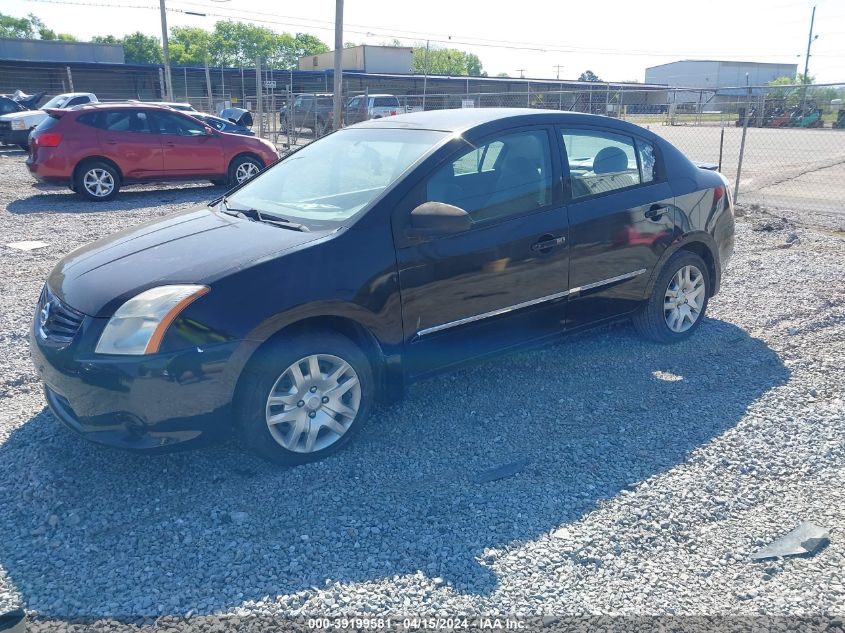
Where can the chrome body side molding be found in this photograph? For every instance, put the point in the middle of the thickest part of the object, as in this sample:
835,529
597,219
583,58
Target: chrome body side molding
527,304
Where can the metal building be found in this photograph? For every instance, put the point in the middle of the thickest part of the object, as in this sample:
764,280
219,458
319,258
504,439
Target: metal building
715,74
364,58
59,51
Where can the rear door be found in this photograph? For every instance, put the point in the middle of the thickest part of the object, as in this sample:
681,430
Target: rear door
186,149
504,281
127,137
622,219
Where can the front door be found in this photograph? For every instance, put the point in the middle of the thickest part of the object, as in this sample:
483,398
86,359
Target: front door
186,148
504,281
622,219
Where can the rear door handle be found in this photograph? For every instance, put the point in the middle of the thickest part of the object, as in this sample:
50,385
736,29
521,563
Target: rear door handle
544,246
656,210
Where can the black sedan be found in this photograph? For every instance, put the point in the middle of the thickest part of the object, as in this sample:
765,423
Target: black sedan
370,258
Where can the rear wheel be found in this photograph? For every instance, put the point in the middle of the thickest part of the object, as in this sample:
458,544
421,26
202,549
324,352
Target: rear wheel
242,168
305,397
678,300
97,180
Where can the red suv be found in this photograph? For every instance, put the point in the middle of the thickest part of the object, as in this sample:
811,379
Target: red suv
98,148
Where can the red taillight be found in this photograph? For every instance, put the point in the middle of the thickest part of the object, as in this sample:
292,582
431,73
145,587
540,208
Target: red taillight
718,192
48,139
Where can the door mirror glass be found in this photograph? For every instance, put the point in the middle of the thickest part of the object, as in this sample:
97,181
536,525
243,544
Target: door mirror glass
439,218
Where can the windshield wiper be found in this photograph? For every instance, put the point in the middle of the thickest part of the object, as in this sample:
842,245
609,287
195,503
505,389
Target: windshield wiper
258,216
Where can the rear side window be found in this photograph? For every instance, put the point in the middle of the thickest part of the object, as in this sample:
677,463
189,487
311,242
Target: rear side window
648,160
77,101
126,121
600,162
91,119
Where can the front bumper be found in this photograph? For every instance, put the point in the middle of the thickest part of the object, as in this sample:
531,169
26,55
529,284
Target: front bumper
143,403
14,137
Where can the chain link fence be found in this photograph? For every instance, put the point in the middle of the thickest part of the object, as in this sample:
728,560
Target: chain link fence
794,150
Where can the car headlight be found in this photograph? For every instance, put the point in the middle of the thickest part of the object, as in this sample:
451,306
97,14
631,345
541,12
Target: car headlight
139,325
18,125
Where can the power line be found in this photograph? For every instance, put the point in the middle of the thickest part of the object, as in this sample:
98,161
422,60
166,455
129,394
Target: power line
449,40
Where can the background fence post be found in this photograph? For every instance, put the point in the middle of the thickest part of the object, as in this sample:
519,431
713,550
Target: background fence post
742,144
160,81
208,87
259,106
69,79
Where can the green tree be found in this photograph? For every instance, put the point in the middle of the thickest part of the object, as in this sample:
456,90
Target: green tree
503,75
189,46
305,44
106,39
17,28
446,61
588,75
142,49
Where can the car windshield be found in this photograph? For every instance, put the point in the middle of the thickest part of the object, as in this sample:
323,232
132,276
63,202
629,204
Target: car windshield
334,178
56,102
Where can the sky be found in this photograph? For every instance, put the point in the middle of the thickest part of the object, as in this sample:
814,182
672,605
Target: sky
615,39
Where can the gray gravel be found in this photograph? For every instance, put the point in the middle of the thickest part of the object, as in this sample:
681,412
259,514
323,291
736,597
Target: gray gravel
642,477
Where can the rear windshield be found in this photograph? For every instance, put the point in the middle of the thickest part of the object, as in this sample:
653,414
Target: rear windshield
47,123
386,102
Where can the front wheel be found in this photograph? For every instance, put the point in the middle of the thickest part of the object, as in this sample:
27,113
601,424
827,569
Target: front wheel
305,397
243,168
678,300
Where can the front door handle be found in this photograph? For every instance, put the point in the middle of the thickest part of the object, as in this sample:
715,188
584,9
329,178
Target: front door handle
547,244
656,210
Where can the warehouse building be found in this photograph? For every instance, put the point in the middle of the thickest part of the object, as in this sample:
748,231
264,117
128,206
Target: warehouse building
365,59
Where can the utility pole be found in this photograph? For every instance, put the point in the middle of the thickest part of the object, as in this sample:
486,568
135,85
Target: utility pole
521,71
557,67
168,82
806,78
338,64
425,76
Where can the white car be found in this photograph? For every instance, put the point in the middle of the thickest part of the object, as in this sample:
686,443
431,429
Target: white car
16,126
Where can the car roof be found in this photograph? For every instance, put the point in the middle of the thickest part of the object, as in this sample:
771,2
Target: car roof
120,105
460,120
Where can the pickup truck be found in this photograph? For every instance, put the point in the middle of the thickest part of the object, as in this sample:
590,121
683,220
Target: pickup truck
16,126
365,107
312,111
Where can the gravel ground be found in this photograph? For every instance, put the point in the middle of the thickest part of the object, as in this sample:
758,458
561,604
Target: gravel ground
642,477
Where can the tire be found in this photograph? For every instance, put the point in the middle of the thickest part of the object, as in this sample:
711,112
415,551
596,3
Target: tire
292,439
657,323
90,173
239,166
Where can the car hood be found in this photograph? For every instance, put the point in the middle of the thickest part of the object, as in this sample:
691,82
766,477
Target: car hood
24,114
195,246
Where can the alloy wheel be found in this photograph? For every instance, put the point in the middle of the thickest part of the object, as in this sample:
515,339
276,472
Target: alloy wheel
313,403
684,299
245,171
98,182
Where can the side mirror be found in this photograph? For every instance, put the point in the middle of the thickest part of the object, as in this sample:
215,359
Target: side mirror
438,218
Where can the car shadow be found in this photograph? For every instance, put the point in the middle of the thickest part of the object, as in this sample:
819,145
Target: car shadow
586,419
63,200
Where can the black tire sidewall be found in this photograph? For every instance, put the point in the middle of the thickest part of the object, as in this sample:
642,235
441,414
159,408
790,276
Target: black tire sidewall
79,186
265,369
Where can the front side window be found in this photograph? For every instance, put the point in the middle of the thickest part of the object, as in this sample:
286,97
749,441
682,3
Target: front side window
507,176
600,162
334,178
175,124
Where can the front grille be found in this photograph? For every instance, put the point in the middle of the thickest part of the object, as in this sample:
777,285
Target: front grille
57,321
5,125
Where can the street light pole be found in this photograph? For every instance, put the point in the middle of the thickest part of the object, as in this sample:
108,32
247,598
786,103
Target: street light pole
338,64
168,82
